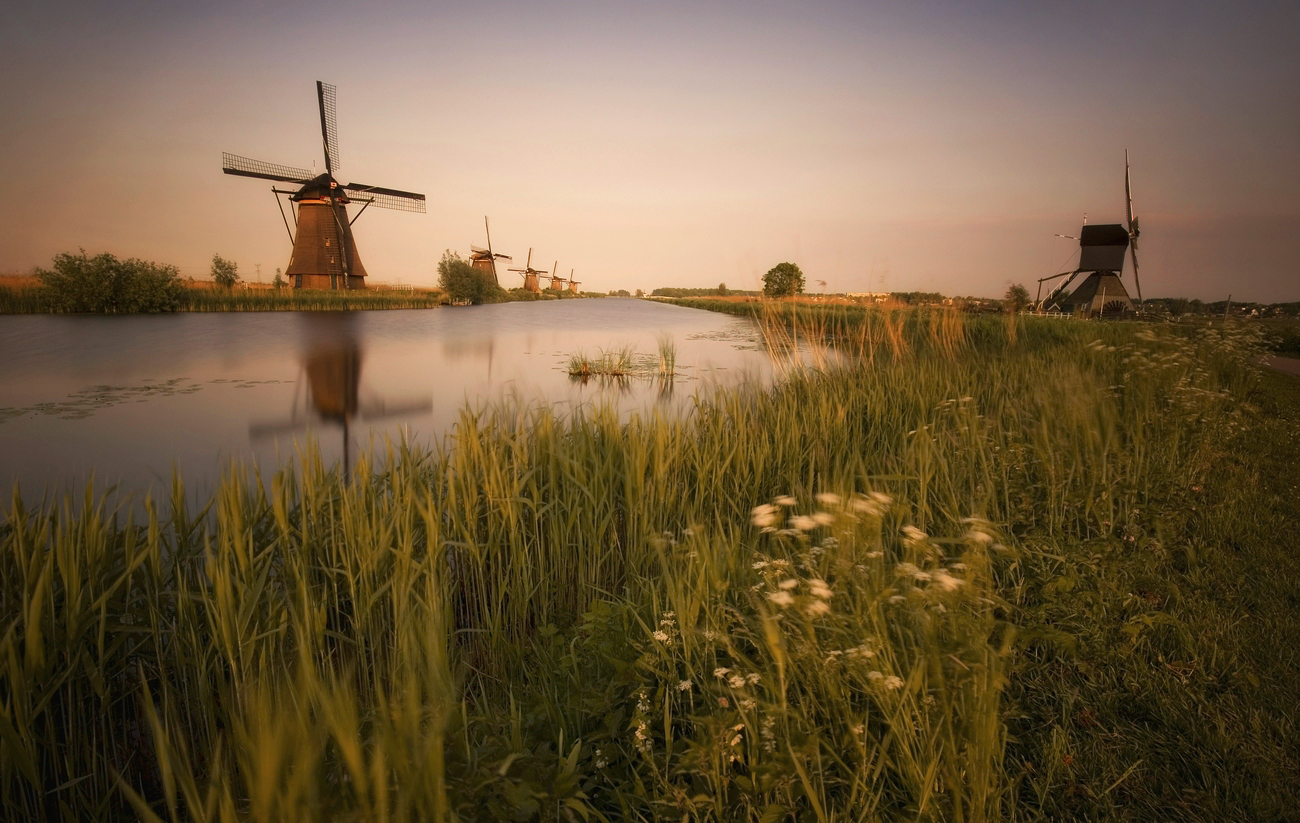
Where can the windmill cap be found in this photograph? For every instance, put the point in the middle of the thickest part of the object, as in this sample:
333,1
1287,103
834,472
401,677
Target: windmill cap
319,186
1104,234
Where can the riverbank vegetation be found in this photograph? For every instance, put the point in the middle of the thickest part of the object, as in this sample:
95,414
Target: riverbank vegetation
979,569
103,284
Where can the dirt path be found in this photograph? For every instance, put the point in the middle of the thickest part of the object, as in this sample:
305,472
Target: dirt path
1290,365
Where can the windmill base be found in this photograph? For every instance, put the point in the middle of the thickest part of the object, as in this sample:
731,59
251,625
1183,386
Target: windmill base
327,282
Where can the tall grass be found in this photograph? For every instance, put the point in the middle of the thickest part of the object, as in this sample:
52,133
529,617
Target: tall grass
801,603
33,299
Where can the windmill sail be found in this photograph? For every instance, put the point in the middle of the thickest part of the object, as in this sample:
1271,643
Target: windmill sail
246,167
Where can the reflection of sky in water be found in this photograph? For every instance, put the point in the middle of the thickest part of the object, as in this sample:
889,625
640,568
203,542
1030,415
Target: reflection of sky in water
128,398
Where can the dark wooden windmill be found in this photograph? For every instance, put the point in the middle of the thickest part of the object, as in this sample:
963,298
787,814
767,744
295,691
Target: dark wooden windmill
530,274
324,253
1101,257
484,260
557,283
573,284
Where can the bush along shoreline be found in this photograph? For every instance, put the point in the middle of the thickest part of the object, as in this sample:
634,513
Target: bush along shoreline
104,284
973,571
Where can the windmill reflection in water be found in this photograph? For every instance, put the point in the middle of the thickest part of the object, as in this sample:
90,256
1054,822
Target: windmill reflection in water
331,361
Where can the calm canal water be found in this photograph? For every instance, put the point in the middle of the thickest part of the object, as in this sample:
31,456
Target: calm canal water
128,398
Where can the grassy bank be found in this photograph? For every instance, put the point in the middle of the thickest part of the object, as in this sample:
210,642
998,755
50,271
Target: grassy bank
27,297
981,571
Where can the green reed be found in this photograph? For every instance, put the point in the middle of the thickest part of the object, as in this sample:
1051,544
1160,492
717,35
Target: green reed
793,603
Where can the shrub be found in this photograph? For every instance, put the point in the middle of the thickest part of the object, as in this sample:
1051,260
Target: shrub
104,284
783,280
225,273
464,283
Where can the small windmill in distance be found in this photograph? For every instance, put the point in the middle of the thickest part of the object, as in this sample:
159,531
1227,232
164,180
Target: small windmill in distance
573,284
1101,256
557,283
485,259
531,283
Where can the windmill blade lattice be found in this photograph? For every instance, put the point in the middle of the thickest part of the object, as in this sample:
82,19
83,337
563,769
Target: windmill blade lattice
327,95
246,167
386,198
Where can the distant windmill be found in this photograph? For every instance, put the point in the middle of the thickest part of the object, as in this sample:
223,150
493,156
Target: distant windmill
324,253
557,283
573,284
1101,257
531,283
485,259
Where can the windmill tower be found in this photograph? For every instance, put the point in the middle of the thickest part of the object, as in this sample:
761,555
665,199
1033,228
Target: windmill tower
557,283
324,252
573,284
1101,257
531,283
485,260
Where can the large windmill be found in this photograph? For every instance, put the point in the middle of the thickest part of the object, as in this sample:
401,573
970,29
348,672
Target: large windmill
530,274
324,253
557,283
1101,257
485,259
573,284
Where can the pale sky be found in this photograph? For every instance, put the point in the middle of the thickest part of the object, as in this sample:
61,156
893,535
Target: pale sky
900,146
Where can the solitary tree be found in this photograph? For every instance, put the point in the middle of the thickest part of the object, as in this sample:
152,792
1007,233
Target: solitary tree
465,284
225,273
1017,298
278,282
783,280
722,290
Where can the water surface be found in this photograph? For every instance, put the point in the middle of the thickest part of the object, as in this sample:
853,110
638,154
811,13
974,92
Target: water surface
127,398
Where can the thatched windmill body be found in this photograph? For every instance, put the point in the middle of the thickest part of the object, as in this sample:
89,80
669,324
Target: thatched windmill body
324,251
530,275
1101,257
484,260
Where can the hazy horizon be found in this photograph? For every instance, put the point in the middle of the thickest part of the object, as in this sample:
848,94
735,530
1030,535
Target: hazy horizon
884,146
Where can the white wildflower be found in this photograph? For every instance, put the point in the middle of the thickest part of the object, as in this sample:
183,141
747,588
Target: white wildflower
721,671
912,533
684,686
747,704
979,536
906,569
860,729
893,682
881,498
735,740
736,681
763,516
820,589
803,523
828,499
817,608
661,636
946,581
875,677
781,599
753,678
759,564
788,583
823,518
